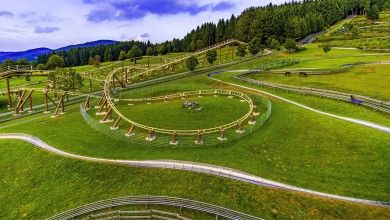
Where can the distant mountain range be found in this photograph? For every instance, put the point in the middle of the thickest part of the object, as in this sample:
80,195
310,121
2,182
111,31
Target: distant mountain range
32,55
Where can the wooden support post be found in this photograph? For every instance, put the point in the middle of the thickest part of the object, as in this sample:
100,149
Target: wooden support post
107,116
131,131
31,104
174,139
222,135
46,102
90,84
198,138
17,107
22,105
60,107
126,75
239,129
254,111
9,93
100,101
102,106
252,119
116,123
63,104
120,82
86,103
151,136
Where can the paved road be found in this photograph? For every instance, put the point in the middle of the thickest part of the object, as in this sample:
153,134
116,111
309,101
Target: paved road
189,166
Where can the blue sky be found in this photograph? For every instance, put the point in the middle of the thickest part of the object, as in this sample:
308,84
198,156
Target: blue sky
26,24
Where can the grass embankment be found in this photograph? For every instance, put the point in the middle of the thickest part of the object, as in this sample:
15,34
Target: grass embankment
360,32
369,80
324,104
37,185
295,146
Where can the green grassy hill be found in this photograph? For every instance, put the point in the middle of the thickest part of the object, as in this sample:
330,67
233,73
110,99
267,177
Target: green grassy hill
295,146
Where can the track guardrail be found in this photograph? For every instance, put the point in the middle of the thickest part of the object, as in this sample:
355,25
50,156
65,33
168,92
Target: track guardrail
366,101
154,200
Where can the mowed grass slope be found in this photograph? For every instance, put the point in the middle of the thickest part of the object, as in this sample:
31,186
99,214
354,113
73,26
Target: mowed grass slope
369,34
295,146
370,80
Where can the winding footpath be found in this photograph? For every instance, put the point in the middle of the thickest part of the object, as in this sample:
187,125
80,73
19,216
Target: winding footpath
188,166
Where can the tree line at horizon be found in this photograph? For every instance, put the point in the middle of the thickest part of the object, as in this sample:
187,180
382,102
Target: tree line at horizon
269,26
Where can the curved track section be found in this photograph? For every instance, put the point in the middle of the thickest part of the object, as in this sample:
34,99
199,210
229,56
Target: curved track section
109,101
149,200
188,166
183,95
356,121
359,99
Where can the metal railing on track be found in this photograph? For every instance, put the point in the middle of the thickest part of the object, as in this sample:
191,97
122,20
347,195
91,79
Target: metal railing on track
181,203
365,101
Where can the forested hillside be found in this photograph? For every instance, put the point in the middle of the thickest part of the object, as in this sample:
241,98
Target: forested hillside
272,24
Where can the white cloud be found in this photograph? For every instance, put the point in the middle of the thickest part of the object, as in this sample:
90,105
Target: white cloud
17,33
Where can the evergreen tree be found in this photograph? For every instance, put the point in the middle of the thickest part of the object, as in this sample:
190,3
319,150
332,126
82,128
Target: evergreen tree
271,24
373,13
192,62
134,53
97,60
41,67
122,55
220,31
355,32
254,46
211,56
108,56
162,49
386,6
55,61
91,61
241,50
8,62
22,62
326,48
150,51
272,43
192,47
290,44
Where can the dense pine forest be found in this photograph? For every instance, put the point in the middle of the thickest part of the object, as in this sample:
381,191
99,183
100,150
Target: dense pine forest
271,24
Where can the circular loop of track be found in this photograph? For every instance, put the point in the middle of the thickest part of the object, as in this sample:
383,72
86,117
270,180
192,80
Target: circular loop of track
110,102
